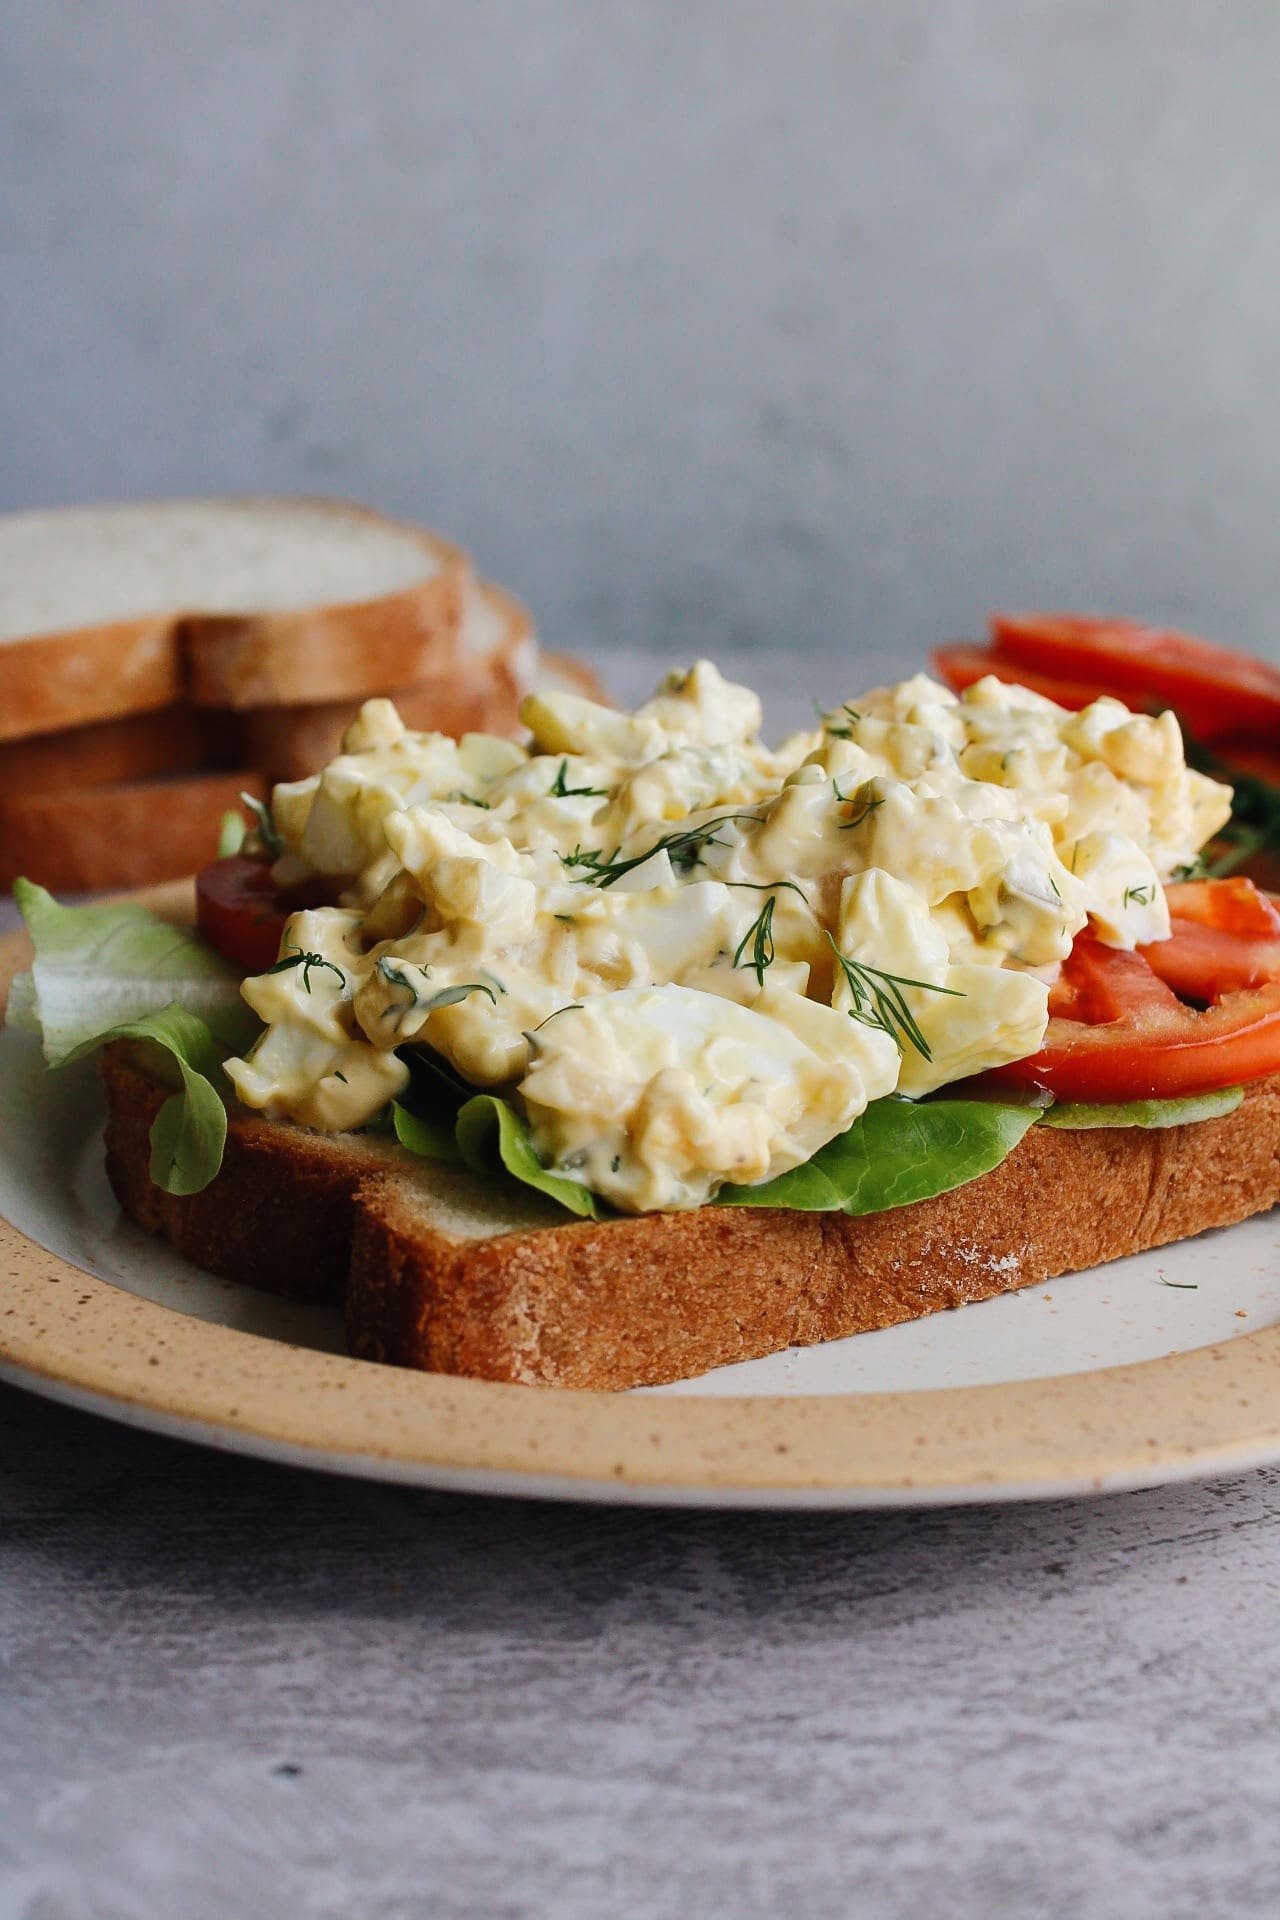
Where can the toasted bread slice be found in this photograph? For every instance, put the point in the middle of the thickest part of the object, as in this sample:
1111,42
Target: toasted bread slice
107,611
447,1272
481,693
130,833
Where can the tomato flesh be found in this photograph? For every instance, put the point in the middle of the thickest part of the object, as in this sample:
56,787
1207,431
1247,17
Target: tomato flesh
240,911
1120,1027
1226,694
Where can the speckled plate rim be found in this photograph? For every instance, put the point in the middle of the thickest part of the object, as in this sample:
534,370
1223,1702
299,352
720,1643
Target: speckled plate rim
75,1337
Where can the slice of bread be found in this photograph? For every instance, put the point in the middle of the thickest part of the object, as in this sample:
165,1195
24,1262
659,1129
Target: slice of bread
447,1272
171,740
481,693
106,611
131,833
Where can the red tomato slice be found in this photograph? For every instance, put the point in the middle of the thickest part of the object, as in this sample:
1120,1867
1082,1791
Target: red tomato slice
1120,1028
1236,905
1223,693
240,912
960,665
1224,931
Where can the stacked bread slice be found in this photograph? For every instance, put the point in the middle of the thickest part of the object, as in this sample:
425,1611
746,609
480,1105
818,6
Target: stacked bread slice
158,660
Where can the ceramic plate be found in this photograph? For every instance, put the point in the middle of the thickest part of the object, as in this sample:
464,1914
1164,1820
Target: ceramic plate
1155,1368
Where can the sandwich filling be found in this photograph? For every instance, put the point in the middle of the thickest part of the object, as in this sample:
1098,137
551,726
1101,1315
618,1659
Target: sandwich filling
689,960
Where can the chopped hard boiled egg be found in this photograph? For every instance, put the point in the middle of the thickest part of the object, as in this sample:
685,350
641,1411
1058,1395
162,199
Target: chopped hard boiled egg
688,959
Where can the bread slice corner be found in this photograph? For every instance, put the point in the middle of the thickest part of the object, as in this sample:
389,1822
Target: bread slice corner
114,610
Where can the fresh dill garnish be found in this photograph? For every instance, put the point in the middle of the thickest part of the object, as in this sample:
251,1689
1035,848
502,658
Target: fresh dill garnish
296,957
1140,896
683,848
844,732
559,791
615,1163
268,832
340,1076
851,799
1183,1286
770,886
1057,891
878,1000
429,1002
461,799
566,919
572,1006
760,934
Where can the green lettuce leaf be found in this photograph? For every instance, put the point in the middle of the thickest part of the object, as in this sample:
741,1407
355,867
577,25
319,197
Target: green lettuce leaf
897,1152
190,1130
119,972
491,1135
99,967
432,1139
1147,1113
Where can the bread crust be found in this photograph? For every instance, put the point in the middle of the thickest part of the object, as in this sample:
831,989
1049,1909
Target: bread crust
479,695
634,1302
133,747
330,652
130,833
91,673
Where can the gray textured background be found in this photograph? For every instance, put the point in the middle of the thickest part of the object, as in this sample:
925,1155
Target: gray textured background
706,322
236,1692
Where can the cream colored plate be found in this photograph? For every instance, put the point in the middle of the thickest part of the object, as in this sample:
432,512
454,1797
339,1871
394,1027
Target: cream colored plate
1150,1370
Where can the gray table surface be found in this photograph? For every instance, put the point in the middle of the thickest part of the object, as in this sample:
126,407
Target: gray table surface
233,1689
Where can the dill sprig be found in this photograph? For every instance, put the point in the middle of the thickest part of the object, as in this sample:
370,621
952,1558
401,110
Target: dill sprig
1140,896
771,886
460,799
297,957
844,732
851,799
760,934
683,848
878,1000
559,791
428,1002
268,832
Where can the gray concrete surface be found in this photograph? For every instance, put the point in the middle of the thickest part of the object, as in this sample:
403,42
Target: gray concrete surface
697,319
232,1690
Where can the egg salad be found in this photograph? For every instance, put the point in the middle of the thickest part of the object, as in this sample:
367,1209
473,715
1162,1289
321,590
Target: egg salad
686,958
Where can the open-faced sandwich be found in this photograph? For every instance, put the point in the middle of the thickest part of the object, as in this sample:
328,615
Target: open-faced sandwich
645,1047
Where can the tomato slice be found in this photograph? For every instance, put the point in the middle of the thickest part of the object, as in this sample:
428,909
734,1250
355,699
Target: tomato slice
240,911
1235,905
1224,931
1120,1027
961,664
1224,693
